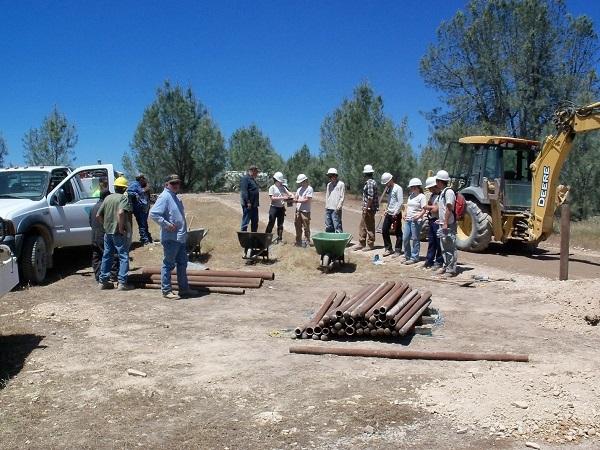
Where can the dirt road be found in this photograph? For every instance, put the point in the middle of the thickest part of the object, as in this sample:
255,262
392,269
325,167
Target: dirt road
219,375
512,258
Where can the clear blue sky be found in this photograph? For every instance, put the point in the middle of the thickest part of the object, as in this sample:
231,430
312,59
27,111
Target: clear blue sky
281,64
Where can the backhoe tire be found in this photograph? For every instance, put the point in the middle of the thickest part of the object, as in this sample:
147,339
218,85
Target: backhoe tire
474,231
34,259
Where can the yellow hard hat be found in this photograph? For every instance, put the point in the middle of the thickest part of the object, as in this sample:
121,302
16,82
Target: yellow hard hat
121,182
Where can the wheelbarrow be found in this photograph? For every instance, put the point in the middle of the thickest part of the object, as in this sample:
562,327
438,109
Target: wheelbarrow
255,245
192,244
331,247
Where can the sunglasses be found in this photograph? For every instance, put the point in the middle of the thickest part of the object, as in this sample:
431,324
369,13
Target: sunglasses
174,183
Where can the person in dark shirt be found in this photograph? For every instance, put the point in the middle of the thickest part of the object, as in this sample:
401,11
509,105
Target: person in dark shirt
98,241
249,192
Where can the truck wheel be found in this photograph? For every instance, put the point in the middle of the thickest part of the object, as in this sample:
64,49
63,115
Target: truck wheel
34,259
474,231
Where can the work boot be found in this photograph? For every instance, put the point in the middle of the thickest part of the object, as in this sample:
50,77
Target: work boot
368,248
388,252
449,275
410,262
170,295
125,287
106,285
280,235
441,271
396,255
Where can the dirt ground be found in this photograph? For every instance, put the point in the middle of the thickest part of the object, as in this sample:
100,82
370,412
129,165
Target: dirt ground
219,374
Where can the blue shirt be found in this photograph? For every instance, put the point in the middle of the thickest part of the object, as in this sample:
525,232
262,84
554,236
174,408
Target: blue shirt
168,210
135,190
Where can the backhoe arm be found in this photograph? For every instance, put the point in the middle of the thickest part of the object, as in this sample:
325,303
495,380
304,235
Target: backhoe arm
546,193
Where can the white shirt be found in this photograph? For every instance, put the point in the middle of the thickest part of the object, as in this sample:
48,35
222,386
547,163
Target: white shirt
395,199
334,196
414,205
304,193
275,191
447,198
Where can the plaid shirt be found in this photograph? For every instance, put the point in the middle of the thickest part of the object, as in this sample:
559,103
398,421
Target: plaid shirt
370,191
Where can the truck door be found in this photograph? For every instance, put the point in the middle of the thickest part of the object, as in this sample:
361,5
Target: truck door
71,202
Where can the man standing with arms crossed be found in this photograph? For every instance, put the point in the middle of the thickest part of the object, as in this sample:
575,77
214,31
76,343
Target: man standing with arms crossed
249,193
447,221
169,214
366,230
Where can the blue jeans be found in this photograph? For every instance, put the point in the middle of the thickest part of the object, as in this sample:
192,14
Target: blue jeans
448,244
249,216
175,255
119,244
333,221
141,217
411,232
434,249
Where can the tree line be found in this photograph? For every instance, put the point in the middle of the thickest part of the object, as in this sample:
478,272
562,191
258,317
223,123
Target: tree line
500,67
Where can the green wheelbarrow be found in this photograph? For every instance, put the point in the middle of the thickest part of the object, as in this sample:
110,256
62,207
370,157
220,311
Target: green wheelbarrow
331,247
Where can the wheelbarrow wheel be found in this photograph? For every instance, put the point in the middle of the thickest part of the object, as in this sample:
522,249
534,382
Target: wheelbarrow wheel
248,253
325,260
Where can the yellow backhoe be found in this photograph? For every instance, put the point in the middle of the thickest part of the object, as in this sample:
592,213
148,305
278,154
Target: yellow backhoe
510,184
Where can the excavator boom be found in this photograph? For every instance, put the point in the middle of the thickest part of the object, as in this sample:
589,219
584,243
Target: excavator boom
546,193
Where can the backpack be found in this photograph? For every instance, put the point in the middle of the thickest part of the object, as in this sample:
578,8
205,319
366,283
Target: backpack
460,205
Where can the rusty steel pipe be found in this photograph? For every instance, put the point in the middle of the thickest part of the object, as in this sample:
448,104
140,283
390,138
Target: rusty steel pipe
357,299
349,331
309,326
208,290
330,314
324,331
405,309
378,324
348,321
375,307
360,309
222,282
359,331
216,273
425,296
391,301
401,303
411,322
324,337
387,331
408,354
338,325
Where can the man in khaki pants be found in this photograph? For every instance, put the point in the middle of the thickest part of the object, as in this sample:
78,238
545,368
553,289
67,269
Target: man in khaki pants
303,199
366,233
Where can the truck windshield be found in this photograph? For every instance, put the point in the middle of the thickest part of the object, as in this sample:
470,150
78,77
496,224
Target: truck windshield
27,184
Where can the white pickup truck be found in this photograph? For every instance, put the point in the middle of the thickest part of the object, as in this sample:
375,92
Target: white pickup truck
47,207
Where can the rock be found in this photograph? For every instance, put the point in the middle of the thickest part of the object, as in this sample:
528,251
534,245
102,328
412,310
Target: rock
369,429
520,404
532,445
268,417
461,431
136,373
556,393
591,432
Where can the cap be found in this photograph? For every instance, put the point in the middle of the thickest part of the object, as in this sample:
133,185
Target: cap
173,177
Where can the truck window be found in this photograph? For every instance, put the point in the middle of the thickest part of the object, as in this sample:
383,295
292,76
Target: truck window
91,182
56,177
29,184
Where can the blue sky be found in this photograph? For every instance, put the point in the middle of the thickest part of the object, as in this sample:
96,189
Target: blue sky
281,64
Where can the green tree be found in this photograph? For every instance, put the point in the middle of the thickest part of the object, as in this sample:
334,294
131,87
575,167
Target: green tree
505,65
250,146
3,150
358,133
302,161
52,144
211,156
176,135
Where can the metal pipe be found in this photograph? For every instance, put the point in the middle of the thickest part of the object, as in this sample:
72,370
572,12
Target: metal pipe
209,290
348,321
224,282
362,294
359,331
219,273
324,331
387,331
349,331
405,309
330,314
411,322
378,324
311,324
324,337
383,308
373,332
372,298
375,308
425,296
338,325
401,303
407,354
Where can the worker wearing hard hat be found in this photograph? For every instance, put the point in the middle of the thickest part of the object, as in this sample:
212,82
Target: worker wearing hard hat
434,258
413,221
370,206
115,215
279,195
334,201
303,199
447,222
392,219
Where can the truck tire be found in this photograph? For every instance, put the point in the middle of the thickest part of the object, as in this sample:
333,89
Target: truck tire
34,259
474,231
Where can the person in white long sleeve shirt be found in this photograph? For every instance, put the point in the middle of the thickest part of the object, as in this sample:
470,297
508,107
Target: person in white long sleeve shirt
334,201
392,216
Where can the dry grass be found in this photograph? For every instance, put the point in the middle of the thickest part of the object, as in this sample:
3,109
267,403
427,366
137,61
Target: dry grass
584,234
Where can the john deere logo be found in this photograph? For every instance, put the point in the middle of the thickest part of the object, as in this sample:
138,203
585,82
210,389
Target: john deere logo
545,182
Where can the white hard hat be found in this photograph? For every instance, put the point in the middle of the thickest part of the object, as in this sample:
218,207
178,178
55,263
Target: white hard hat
368,169
301,178
386,177
442,175
332,171
430,182
279,177
414,182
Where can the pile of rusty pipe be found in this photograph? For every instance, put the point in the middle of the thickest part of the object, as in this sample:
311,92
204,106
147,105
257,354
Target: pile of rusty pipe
217,273
390,297
371,299
339,299
309,327
401,303
345,309
406,354
389,302
411,322
415,306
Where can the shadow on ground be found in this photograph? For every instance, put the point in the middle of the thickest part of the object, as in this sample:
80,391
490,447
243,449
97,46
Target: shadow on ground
14,350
